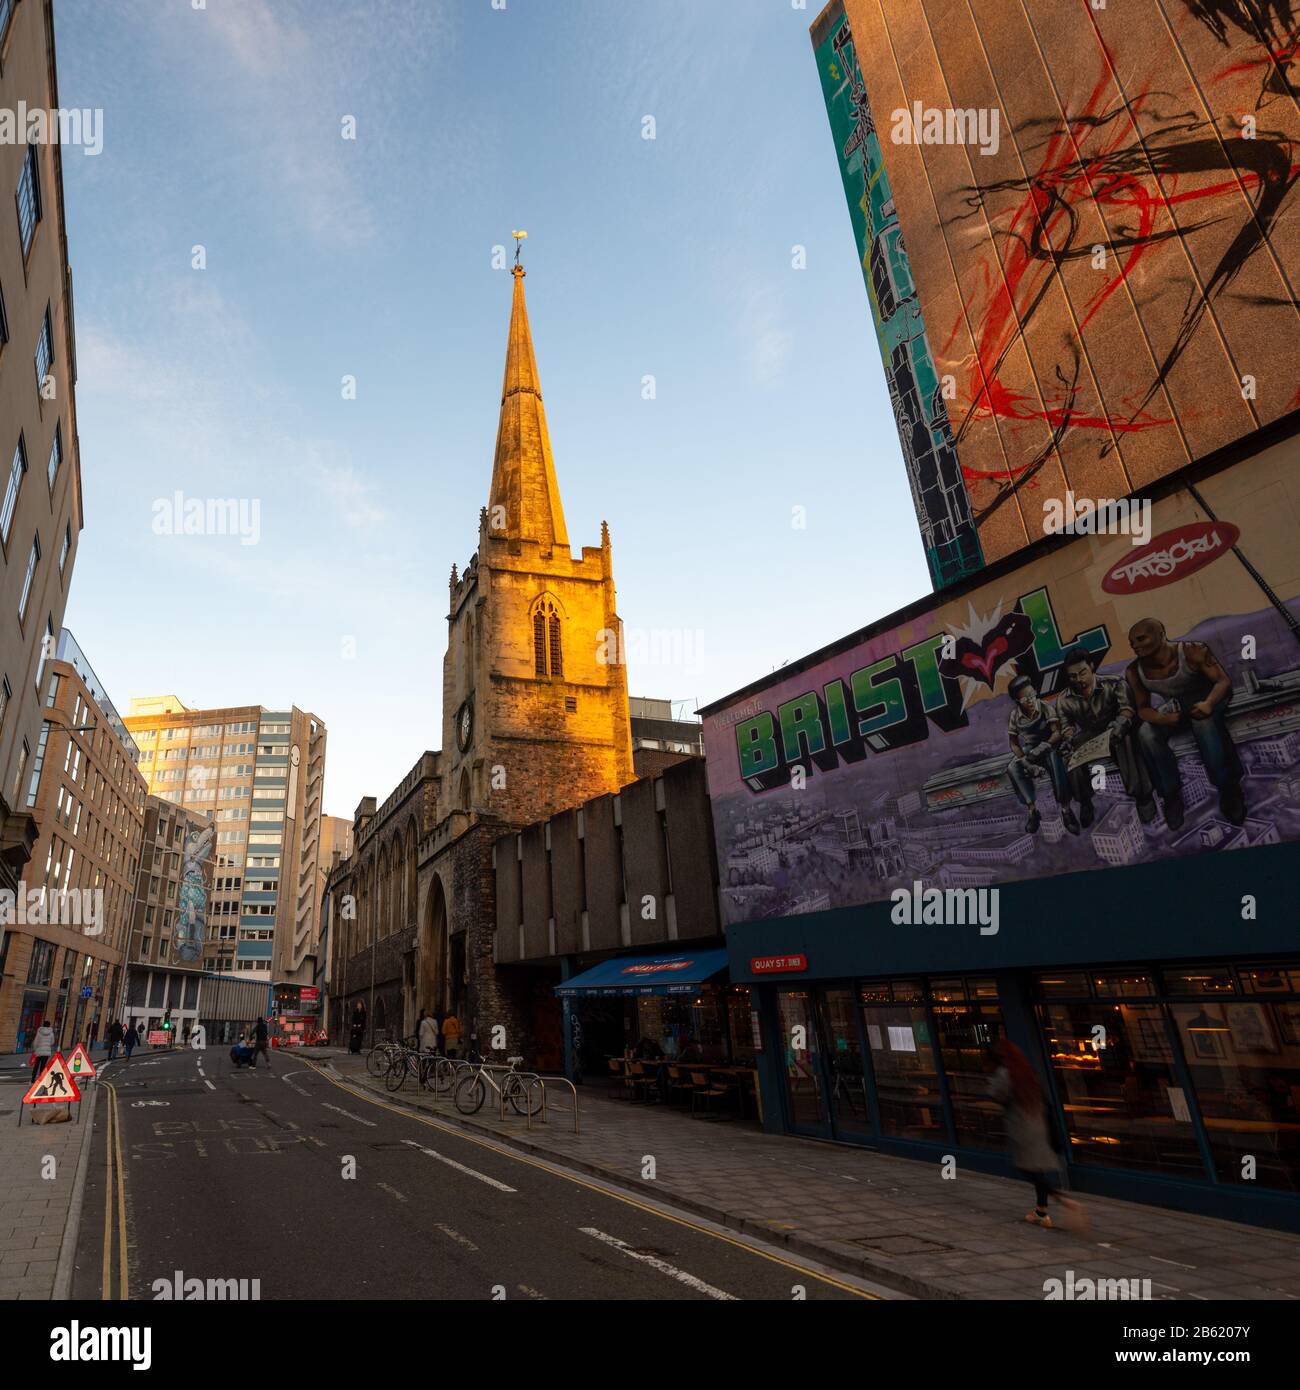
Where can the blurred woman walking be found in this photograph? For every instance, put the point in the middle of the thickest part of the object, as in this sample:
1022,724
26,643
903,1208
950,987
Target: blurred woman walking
1014,1085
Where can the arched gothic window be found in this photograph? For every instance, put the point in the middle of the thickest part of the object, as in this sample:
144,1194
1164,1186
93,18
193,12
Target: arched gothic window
548,651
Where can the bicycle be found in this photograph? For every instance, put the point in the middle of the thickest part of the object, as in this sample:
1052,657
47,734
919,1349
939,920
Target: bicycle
516,1089
407,1061
380,1057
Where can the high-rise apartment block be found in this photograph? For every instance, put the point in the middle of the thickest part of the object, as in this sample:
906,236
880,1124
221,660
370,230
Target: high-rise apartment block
260,774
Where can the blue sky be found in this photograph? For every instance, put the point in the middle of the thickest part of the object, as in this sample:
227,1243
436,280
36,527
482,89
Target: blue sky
373,258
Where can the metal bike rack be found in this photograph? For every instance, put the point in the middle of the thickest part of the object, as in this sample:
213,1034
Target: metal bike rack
544,1082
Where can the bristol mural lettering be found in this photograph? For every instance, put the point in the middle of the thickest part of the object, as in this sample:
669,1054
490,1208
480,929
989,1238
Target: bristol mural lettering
1106,705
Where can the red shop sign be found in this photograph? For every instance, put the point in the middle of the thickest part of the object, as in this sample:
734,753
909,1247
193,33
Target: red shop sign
1171,556
777,965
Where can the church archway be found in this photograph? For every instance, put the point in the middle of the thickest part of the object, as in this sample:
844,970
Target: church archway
432,989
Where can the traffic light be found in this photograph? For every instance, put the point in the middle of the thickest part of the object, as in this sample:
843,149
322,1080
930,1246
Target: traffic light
167,1021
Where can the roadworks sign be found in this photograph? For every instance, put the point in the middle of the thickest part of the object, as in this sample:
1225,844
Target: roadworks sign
55,1083
80,1065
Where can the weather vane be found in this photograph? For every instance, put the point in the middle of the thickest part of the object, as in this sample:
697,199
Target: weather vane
520,238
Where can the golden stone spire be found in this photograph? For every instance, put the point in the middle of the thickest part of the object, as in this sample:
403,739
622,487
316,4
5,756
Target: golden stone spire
523,472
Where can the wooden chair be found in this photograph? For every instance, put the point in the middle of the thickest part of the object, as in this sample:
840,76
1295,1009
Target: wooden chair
678,1082
704,1090
647,1082
618,1073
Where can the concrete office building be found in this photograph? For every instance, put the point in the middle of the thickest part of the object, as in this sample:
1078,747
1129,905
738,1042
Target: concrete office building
171,931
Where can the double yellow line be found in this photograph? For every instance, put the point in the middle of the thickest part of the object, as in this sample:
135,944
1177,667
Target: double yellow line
504,1151
114,1197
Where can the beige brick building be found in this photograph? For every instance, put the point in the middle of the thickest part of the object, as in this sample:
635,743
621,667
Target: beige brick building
63,951
40,469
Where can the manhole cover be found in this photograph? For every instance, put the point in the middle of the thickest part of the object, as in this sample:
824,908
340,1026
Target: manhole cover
902,1244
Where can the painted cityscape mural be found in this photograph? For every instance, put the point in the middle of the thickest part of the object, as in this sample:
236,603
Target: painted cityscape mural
1099,205
920,412
1113,703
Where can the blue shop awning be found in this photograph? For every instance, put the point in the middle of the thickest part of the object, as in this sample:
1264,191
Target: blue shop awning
641,975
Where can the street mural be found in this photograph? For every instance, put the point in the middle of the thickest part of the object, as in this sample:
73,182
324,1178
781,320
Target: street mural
1139,195
1112,703
915,393
191,913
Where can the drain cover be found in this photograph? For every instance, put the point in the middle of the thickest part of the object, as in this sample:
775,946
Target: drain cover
900,1244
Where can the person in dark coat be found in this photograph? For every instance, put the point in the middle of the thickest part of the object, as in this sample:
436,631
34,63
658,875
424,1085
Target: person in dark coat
1015,1087
260,1033
114,1039
130,1040
358,1027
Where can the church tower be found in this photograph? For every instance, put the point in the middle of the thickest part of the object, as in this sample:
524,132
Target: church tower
535,710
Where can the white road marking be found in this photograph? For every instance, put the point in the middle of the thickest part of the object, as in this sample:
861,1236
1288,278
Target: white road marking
208,1084
293,1086
340,1110
661,1265
532,1293
460,1167
393,1190
138,1104
1159,1259
456,1236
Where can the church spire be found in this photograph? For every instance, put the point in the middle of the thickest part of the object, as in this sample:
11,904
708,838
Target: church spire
523,473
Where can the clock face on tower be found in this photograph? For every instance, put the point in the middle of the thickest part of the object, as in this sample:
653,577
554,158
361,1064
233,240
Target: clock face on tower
464,725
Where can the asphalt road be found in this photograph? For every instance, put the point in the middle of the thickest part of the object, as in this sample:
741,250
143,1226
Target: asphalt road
284,1177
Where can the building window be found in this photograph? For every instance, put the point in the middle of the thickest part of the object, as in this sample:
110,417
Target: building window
16,470
44,350
38,764
548,658
65,548
33,559
56,456
29,199
6,694
4,317
22,768
48,646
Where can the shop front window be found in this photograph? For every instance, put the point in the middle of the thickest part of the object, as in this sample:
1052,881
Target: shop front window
967,1030
1244,1059
802,1072
1114,1069
849,1112
903,1059
742,1025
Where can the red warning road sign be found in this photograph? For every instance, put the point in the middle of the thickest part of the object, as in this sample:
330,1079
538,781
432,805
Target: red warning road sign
55,1083
79,1063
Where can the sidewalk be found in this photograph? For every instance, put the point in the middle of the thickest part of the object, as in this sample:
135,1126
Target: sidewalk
34,1210
887,1218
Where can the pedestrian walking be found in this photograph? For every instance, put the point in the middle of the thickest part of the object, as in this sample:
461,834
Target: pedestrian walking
259,1043
42,1048
358,1030
1014,1085
130,1040
426,1034
451,1035
115,1033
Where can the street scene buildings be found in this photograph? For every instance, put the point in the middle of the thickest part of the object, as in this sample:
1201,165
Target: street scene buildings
912,899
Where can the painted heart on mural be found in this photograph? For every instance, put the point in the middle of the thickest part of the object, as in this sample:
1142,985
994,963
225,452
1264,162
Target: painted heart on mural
1012,635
